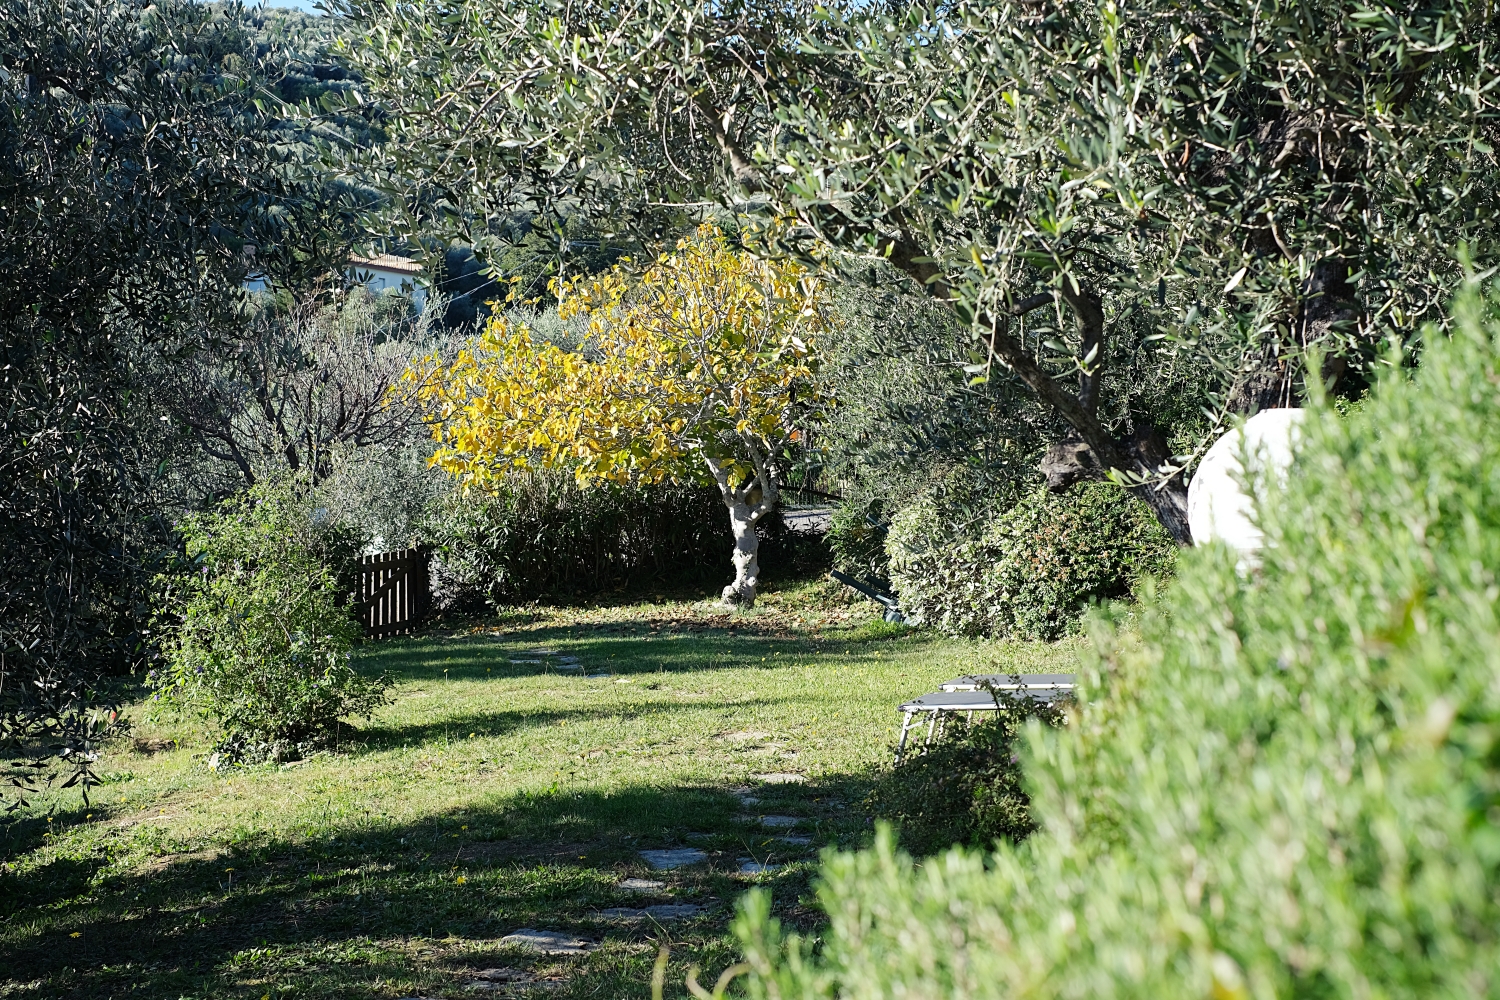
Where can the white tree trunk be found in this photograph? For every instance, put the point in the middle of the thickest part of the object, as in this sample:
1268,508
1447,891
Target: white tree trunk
747,503
742,519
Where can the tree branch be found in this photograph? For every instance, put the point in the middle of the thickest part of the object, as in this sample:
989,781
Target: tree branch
1090,314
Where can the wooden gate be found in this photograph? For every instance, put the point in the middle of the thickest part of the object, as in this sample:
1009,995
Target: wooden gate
393,591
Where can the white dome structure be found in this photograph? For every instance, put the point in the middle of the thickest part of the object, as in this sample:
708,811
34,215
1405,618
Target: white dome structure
1218,505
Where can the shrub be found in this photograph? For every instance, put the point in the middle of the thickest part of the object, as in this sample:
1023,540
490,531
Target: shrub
1287,785
258,628
539,535
856,537
1028,572
966,788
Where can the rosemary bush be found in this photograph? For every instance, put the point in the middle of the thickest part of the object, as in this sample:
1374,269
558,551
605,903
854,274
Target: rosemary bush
1287,785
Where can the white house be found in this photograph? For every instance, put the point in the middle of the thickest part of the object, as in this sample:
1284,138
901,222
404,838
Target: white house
389,272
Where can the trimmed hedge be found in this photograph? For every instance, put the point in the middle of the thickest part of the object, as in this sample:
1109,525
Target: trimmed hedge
541,536
1027,572
1287,785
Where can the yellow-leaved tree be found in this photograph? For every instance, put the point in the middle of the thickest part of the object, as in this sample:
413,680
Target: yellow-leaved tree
700,366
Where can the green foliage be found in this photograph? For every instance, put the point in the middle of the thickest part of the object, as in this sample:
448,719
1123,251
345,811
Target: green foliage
1031,570
965,788
1288,785
856,537
258,626
1087,187
133,171
540,535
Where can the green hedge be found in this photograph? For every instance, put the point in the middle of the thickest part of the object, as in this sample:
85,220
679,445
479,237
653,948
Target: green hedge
1028,571
542,537
1287,786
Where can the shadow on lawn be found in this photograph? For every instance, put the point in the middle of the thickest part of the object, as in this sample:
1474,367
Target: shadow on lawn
400,910
620,652
378,737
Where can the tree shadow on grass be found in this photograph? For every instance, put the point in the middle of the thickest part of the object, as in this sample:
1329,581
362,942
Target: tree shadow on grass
375,909
377,736
618,651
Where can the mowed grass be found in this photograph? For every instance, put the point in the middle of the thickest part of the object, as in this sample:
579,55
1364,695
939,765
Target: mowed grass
490,796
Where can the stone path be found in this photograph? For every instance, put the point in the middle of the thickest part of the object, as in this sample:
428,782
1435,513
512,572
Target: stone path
665,859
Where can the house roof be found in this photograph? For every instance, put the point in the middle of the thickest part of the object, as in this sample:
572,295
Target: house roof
386,262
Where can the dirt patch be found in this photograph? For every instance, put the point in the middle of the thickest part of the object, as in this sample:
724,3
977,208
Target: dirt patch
151,745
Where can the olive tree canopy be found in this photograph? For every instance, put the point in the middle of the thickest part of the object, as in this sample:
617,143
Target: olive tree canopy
1241,179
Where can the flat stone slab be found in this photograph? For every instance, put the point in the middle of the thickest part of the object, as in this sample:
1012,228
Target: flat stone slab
796,839
548,942
779,822
749,800
678,857
528,661
504,975
538,652
749,867
781,778
642,885
665,911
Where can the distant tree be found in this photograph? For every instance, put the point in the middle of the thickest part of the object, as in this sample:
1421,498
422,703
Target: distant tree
296,382
701,363
1078,182
136,168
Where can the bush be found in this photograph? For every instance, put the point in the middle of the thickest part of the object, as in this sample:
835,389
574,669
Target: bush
1287,785
966,788
541,536
258,626
856,537
1028,572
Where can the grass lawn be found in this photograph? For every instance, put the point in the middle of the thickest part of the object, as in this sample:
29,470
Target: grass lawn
495,793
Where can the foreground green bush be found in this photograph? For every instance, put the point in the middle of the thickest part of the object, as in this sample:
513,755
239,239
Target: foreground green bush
1289,787
1028,570
257,627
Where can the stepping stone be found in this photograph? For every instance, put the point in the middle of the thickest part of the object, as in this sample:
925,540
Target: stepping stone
678,857
528,661
548,942
570,667
794,838
504,976
780,778
779,822
750,867
538,652
749,800
665,911
642,885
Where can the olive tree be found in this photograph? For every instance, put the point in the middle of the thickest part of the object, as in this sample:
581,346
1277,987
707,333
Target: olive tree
136,166
1240,180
